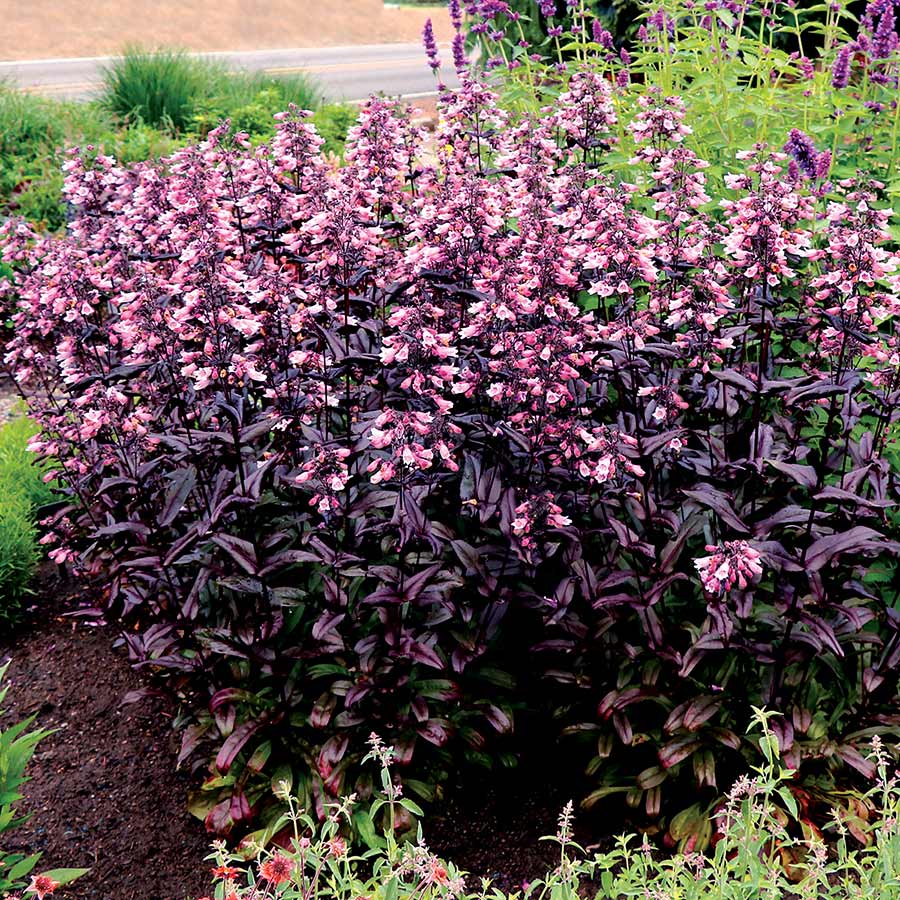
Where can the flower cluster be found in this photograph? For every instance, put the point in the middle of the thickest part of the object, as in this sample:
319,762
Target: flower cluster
733,563
328,472
413,441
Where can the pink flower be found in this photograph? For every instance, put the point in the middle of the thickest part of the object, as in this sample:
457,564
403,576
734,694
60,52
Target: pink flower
276,869
42,886
734,562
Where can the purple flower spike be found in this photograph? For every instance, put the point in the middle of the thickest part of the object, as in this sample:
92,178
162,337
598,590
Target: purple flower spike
455,14
601,36
884,41
460,62
431,50
840,74
800,146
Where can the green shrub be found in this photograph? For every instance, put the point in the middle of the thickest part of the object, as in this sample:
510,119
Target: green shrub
251,102
29,131
22,491
32,128
332,122
26,123
138,142
37,198
32,131
176,92
17,746
159,87
18,469
18,551
240,89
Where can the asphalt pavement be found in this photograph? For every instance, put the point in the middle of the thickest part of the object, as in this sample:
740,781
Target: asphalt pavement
343,73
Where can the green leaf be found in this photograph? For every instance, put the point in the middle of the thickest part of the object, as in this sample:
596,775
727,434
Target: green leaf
391,891
412,806
65,876
22,868
789,801
366,828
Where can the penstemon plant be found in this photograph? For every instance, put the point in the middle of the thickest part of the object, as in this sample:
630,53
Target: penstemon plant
550,413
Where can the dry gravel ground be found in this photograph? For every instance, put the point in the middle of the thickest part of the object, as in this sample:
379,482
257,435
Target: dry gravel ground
48,29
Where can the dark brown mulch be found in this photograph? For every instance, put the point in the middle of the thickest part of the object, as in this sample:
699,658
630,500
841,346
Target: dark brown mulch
492,824
104,792
499,837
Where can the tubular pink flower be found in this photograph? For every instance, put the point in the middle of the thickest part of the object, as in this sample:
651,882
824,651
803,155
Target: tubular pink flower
729,564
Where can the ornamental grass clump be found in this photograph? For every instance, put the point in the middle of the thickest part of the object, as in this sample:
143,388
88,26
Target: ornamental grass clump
178,93
550,414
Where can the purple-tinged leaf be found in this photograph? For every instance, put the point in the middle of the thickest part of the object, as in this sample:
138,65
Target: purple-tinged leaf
804,475
720,503
825,549
240,550
234,744
181,485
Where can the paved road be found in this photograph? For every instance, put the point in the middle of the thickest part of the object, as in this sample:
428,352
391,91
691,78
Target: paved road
344,73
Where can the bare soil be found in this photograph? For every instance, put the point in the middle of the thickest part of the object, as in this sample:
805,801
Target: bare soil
47,29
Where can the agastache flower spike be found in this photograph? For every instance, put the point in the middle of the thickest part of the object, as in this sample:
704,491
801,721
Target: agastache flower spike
840,73
884,41
803,150
601,36
453,8
430,44
460,62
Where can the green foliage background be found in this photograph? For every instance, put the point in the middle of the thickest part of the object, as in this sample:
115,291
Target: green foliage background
22,493
153,102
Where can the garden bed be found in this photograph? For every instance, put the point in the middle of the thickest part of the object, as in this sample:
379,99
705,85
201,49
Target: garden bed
105,793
